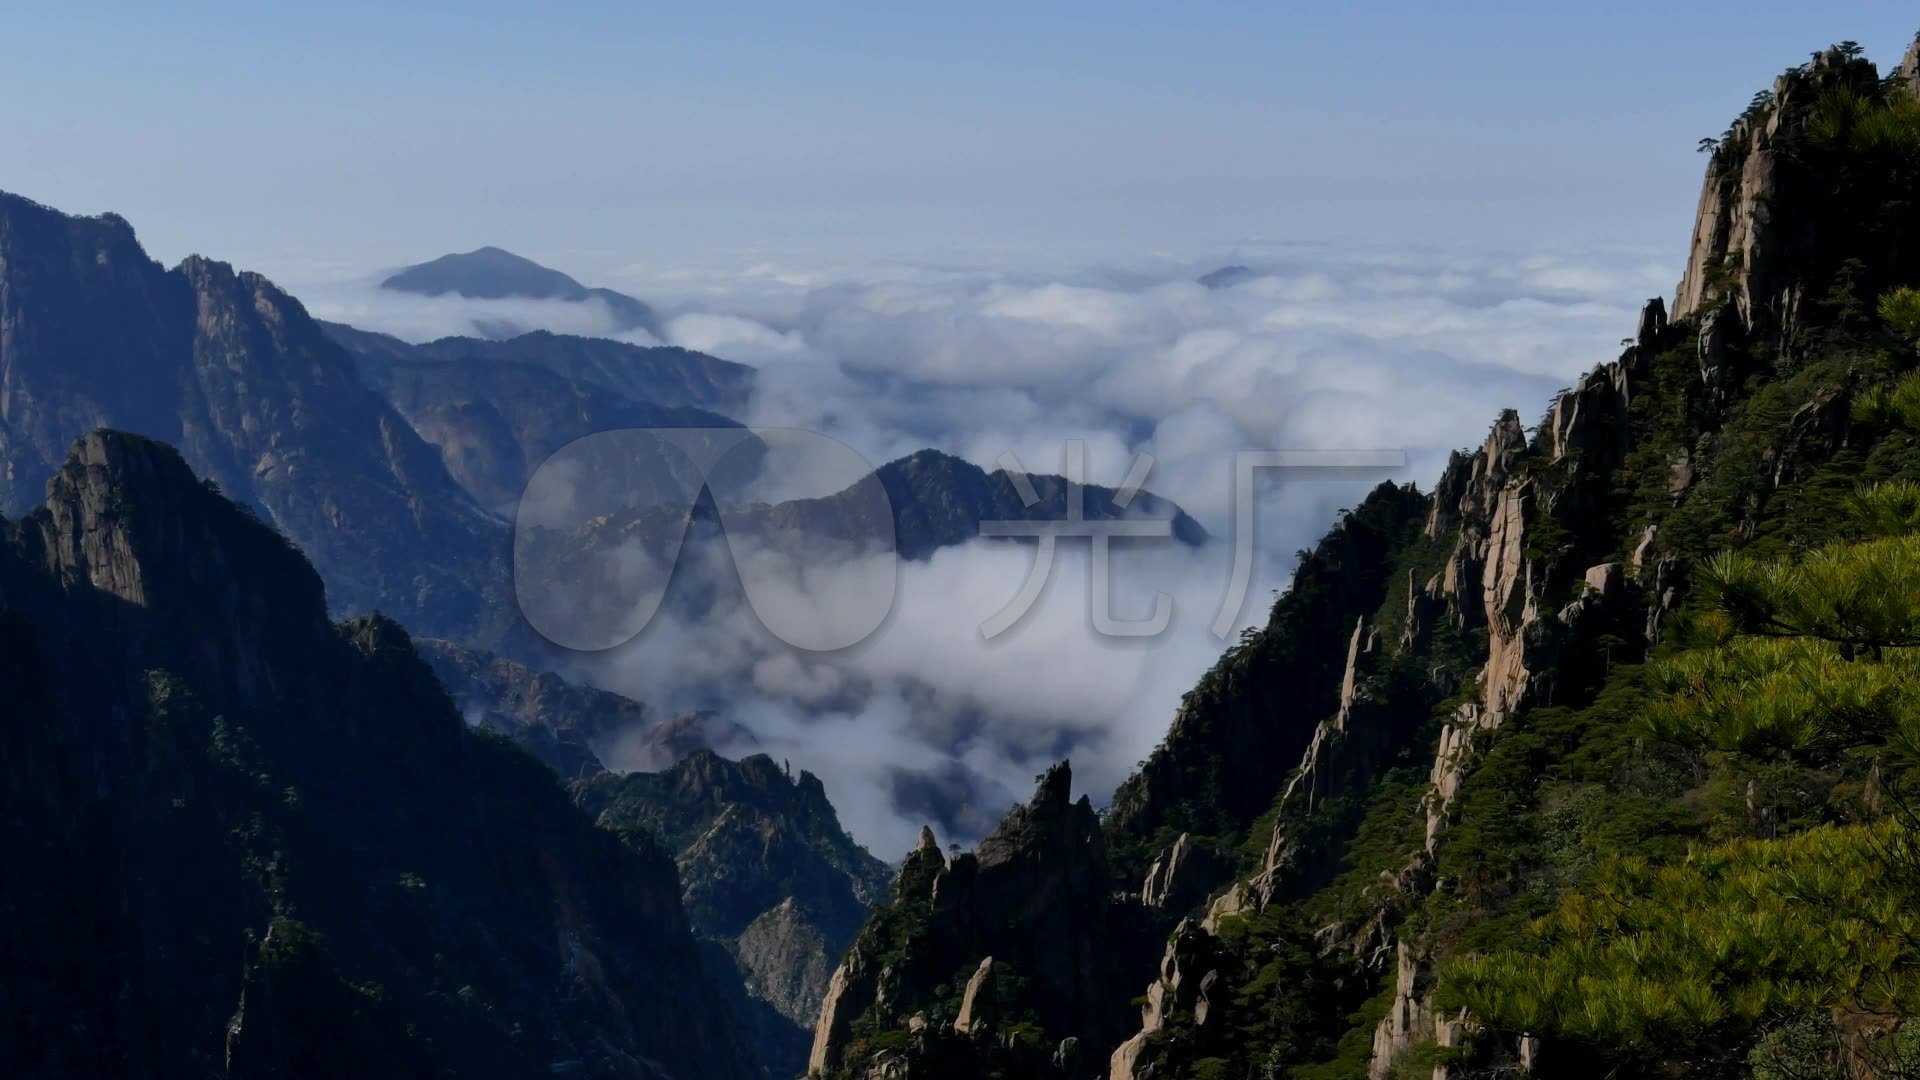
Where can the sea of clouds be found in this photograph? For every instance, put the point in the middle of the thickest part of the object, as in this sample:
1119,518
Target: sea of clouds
1315,348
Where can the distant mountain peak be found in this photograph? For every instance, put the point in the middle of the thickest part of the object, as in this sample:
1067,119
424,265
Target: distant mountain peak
1228,276
494,273
486,273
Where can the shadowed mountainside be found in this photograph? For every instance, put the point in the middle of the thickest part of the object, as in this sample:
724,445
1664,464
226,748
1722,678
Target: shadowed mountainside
263,844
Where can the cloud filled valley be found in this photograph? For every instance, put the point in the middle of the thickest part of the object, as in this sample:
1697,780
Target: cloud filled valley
1308,348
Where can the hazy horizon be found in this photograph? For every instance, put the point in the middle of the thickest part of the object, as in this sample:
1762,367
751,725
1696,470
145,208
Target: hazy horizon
622,145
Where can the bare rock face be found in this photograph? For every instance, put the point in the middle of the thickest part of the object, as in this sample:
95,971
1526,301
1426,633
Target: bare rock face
1066,1057
1909,69
1590,418
1500,509
1132,1060
1188,959
1043,870
1028,907
976,1003
1489,505
1732,242
1744,252
95,536
1643,551
1506,582
1239,898
1409,1019
1320,768
1471,481
1486,502
1187,973
1180,877
851,993
1717,328
787,961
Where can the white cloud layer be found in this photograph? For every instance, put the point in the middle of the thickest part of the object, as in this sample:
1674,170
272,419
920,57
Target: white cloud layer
1317,349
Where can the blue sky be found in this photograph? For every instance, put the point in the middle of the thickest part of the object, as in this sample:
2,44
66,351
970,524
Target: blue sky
312,139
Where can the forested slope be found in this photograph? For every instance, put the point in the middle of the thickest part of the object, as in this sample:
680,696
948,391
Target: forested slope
1589,761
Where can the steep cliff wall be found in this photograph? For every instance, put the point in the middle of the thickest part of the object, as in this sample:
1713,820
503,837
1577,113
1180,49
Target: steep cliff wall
252,842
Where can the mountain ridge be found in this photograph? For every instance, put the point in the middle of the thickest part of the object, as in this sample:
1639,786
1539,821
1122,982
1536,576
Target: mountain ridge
233,371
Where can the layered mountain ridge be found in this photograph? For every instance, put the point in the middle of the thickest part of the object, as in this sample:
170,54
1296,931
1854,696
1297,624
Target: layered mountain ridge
230,369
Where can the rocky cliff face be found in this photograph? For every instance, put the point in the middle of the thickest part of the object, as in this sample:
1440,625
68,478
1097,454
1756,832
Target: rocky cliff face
995,959
232,371
766,872
266,845
1749,256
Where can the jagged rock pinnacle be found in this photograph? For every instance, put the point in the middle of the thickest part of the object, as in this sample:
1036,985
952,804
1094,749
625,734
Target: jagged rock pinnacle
1056,786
